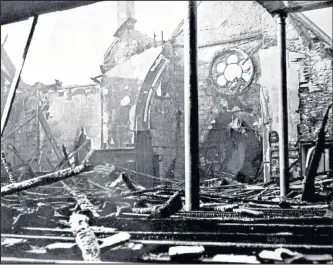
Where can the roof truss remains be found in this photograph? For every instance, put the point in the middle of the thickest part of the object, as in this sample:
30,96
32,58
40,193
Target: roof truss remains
14,11
286,7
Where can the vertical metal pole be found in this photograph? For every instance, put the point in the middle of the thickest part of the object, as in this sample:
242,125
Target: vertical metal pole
102,117
191,129
16,79
37,123
283,106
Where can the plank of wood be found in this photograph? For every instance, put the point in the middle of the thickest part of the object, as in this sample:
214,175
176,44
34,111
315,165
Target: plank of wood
43,180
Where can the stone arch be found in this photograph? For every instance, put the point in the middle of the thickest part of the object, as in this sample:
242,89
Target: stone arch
147,91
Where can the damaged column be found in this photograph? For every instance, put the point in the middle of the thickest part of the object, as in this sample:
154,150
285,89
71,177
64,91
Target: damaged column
191,129
283,105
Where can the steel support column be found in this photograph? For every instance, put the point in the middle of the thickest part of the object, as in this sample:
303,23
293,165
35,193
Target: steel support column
283,105
191,129
102,115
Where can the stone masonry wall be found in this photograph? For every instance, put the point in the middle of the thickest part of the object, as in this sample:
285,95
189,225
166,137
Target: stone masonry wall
222,27
315,95
69,111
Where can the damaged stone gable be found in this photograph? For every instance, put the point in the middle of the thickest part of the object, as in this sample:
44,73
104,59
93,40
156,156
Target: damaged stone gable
71,109
235,128
21,130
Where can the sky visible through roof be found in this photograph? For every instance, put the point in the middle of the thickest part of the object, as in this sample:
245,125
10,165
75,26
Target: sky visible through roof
70,45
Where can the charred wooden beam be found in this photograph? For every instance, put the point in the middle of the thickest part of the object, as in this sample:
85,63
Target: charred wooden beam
173,205
63,162
27,165
124,179
310,174
314,28
85,237
44,180
127,182
83,203
12,178
17,77
8,168
14,11
66,159
49,135
275,7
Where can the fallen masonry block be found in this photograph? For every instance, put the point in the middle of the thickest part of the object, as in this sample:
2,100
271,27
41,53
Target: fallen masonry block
14,244
240,259
278,254
186,253
64,249
318,258
130,252
61,246
115,240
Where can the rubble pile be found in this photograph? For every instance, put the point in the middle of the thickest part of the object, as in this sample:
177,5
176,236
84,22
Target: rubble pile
101,214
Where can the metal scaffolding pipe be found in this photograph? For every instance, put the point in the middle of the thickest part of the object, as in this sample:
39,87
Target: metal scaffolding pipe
283,105
191,130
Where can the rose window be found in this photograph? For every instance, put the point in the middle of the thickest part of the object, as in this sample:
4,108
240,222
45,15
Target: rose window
232,71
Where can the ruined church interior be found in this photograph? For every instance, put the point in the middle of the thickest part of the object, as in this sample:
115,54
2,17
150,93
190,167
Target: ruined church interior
132,135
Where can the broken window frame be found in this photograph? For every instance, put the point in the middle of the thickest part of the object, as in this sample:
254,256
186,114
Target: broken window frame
327,156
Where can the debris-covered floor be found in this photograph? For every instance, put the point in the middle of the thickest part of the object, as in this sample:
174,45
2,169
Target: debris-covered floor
103,215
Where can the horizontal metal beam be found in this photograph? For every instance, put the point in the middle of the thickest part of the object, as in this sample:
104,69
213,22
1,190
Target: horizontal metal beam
299,6
15,11
275,7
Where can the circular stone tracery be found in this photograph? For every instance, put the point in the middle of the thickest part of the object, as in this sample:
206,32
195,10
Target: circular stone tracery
232,71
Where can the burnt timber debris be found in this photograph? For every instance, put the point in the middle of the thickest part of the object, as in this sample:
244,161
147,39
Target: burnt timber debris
150,224
84,209
309,188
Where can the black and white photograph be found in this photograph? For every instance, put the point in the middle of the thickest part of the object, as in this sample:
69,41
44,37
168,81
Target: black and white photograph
166,132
